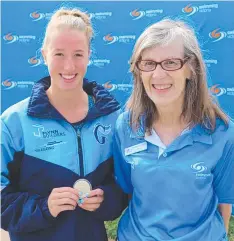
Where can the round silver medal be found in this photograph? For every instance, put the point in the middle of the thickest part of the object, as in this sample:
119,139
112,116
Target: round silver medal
83,186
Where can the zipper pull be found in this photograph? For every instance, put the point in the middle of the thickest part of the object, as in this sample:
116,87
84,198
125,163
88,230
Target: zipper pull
78,132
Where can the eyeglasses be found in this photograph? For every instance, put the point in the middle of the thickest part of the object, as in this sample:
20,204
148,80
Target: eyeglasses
167,64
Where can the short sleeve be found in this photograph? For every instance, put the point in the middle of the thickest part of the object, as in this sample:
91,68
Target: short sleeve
122,168
224,176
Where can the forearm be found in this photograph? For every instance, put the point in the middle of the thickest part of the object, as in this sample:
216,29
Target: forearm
225,211
22,212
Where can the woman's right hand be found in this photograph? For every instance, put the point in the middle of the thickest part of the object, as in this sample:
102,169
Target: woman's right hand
62,199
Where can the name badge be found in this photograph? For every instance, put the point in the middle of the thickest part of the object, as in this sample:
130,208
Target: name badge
137,148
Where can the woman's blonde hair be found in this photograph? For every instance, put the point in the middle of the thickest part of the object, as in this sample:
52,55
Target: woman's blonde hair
199,106
69,18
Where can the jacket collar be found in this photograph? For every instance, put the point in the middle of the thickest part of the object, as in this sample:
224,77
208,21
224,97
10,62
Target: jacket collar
40,106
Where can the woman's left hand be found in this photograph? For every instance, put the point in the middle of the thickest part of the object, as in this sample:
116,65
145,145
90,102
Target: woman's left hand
93,201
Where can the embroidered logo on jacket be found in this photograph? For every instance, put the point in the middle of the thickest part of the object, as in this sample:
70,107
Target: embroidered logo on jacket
42,133
49,146
101,132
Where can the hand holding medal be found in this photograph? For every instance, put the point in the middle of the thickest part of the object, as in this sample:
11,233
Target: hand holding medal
89,199
83,187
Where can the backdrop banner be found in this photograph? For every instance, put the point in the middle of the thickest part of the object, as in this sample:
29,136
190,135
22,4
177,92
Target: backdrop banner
117,26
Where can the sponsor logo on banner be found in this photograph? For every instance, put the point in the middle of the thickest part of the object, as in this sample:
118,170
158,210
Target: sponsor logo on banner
191,10
10,84
36,60
217,35
122,87
10,38
216,90
100,15
210,62
36,16
110,39
100,63
136,14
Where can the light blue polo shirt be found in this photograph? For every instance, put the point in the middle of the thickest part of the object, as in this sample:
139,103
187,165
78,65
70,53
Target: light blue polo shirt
175,189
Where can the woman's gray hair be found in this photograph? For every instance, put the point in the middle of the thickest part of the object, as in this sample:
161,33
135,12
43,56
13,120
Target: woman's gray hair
199,106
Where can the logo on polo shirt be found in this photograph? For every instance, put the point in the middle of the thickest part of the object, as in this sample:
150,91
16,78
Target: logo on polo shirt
198,167
200,170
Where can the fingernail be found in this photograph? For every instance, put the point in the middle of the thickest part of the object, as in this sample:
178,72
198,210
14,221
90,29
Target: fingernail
80,193
87,195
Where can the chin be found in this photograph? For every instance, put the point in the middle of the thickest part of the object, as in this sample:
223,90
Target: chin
163,103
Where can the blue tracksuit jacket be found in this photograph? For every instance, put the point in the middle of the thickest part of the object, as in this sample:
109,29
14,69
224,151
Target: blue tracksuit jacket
42,151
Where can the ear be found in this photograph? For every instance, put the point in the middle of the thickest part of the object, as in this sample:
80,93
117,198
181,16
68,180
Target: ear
188,72
43,52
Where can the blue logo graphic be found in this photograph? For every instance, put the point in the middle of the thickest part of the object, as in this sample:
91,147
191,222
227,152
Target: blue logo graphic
101,132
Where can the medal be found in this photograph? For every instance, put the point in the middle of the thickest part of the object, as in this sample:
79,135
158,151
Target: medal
83,186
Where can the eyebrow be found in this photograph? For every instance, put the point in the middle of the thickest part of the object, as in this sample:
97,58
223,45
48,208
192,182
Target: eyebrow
169,57
57,50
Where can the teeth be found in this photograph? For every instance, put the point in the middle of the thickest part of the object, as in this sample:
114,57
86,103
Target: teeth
161,87
68,76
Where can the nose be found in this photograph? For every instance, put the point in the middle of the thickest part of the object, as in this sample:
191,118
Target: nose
159,72
69,64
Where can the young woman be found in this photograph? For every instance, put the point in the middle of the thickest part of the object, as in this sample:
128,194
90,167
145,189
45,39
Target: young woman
57,166
174,147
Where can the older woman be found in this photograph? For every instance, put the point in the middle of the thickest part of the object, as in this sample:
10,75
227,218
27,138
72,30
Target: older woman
174,146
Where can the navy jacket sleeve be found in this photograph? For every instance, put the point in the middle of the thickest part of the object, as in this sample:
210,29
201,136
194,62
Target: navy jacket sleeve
21,211
115,201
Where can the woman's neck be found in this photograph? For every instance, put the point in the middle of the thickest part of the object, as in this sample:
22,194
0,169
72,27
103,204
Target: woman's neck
72,105
170,123
67,99
169,116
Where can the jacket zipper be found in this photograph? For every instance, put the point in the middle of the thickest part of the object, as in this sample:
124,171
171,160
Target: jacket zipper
80,152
